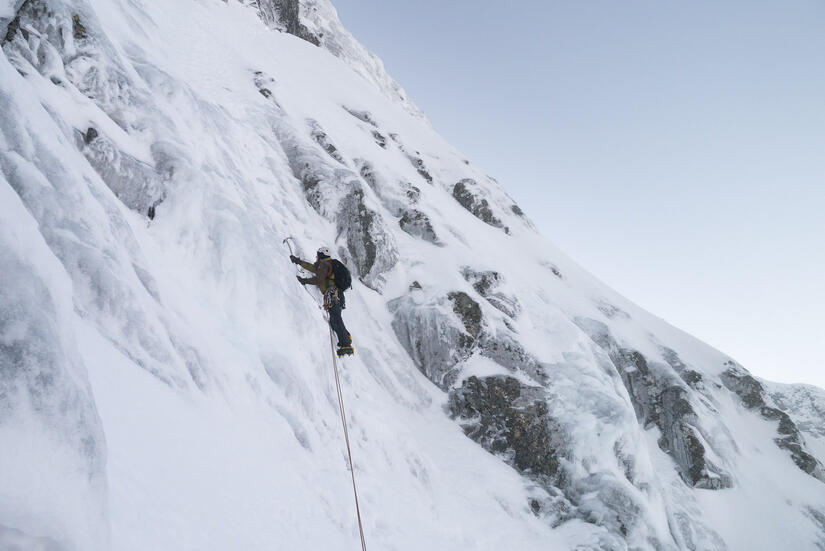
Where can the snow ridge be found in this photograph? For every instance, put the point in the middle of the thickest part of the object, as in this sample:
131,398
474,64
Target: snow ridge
316,21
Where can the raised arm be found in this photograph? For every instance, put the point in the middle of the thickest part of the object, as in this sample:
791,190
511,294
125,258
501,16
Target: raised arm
302,263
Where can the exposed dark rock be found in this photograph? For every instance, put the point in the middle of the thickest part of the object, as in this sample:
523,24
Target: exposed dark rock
320,137
437,344
413,193
507,352
517,210
363,116
468,310
21,7
397,199
317,179
676,420
11,30
749,390
379,139
485,283
692,377
416,223
436,341
479,207
421,168
752,394
370,245
660,400
264,84
368,175
415,160
287,14
27,9
90,135
553,269
510,419
361,219
805,405
151,212
507,304
791,440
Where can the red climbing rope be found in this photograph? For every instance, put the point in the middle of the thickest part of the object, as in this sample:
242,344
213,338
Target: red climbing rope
346,437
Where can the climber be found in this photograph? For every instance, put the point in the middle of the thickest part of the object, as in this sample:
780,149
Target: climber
332,278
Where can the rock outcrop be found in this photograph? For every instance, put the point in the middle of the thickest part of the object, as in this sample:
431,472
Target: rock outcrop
486,284
467,196
753,396
510,419
660,398
285,14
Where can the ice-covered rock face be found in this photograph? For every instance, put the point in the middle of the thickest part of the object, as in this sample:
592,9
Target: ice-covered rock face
157,356
53,456
437,332
507,417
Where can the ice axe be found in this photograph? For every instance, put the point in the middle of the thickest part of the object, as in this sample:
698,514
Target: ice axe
289,246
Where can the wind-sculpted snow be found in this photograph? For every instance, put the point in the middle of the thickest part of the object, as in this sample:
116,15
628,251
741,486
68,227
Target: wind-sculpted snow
53,456
165,382
316,21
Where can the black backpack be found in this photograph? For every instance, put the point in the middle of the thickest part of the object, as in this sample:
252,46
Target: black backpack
341,275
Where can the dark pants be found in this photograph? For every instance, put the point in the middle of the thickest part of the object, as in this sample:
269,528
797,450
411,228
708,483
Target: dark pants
334,306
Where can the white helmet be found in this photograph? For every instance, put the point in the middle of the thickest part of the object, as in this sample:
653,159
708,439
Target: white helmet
323,252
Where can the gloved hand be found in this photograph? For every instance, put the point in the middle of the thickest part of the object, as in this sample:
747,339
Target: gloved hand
294,259
301,280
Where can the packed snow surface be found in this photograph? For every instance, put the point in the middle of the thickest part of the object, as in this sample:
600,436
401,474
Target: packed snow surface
166,384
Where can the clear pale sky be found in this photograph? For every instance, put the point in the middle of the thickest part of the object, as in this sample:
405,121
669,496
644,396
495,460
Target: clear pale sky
675,149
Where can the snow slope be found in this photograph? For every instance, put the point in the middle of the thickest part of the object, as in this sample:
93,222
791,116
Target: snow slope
166,384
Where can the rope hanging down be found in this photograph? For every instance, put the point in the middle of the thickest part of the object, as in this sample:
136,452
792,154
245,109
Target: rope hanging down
346,437
341,410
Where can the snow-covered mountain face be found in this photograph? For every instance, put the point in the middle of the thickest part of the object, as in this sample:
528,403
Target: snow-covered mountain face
165,383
